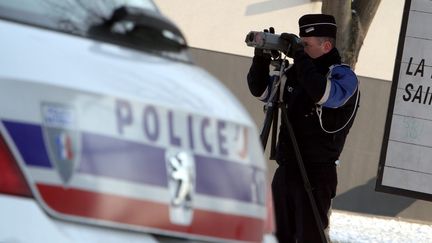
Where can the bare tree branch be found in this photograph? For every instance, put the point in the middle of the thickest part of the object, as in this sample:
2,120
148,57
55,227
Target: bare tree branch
341,10
353,18
366,10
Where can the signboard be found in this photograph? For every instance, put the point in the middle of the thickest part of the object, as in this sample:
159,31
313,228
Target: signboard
406,158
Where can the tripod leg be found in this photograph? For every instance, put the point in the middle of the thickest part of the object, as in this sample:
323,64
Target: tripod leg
304,176
274,134
265,131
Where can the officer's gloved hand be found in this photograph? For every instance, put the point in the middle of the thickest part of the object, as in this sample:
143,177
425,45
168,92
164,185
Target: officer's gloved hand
294,41
260,53
267,53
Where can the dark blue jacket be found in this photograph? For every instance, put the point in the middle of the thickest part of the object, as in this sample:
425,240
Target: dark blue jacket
312,85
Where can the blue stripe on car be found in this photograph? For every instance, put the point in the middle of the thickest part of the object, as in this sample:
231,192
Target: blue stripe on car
126,160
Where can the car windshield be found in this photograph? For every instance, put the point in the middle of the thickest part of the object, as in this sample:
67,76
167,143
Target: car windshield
133,23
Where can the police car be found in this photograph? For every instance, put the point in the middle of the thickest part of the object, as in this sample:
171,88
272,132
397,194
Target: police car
109,133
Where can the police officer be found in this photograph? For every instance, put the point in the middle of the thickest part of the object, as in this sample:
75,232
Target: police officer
321,96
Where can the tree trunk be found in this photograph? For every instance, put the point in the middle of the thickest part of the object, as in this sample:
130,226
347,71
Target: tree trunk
353,19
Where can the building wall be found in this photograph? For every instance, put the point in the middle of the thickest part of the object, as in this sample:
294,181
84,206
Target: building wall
360,158
222,26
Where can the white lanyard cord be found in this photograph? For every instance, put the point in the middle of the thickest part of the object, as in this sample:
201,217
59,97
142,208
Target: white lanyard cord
319,113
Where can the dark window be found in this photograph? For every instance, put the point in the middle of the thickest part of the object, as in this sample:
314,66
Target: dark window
132,23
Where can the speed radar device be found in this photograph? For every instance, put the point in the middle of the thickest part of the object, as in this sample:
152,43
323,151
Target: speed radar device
267,41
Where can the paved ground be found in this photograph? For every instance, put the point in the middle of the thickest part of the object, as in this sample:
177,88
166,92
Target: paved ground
348,227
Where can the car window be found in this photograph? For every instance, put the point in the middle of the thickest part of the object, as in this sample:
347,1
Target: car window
133,23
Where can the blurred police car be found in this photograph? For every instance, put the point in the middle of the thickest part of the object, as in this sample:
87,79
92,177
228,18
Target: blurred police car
109,133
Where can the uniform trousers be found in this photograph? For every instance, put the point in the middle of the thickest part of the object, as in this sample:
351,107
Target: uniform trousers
295,221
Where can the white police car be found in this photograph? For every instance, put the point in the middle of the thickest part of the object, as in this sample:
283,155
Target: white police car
109,133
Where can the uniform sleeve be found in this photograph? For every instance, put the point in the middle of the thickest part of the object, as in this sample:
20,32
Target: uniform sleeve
259,80
331,90
341,85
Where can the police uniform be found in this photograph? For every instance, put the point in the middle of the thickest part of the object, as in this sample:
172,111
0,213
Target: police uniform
321,96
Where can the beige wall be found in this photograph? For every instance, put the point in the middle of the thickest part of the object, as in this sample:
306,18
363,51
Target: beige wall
222,26
359,160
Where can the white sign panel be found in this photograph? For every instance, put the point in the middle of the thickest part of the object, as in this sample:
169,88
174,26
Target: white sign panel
406,157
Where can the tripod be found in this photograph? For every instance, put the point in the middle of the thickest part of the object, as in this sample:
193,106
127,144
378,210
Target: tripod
272,107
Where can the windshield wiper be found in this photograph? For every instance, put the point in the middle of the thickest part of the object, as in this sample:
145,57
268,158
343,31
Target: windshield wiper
140,28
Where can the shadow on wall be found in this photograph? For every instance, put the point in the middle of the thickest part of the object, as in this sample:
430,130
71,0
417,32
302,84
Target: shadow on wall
364,199
272,5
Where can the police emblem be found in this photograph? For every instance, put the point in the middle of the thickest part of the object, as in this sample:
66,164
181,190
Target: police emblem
62,138
181,183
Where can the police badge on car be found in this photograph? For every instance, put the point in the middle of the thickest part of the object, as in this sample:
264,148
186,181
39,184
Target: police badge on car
181,185
62,138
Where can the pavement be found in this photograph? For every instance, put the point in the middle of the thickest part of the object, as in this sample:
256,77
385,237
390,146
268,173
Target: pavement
347,227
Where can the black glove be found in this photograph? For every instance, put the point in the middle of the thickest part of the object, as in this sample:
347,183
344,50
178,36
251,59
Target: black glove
294,42
267,53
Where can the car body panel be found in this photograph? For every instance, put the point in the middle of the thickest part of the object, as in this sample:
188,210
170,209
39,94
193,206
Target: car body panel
111,136
27,222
